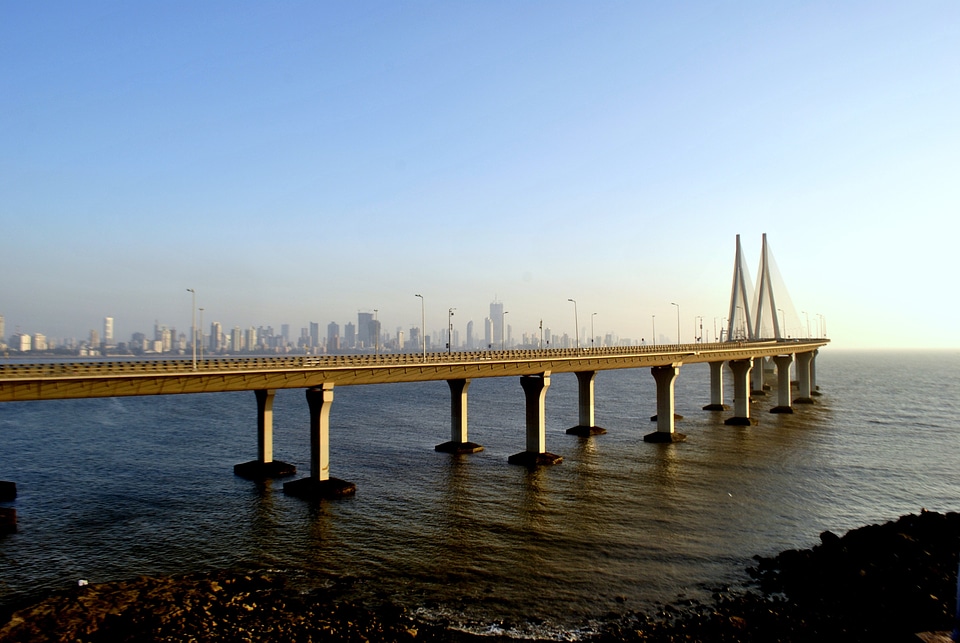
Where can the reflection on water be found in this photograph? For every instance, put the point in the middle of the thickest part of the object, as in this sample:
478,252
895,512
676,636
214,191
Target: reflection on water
120,487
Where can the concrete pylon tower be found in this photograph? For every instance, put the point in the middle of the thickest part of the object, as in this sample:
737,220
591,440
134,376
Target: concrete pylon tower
765,304
739,324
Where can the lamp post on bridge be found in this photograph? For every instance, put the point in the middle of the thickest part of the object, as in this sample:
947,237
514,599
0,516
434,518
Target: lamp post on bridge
653,320
376,350
678,321
503,329
541,334
193,324
698,338
450,330
807,317
576,323
423,325
591,329
201,334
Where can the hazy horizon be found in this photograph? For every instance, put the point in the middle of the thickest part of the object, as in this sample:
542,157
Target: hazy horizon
300,162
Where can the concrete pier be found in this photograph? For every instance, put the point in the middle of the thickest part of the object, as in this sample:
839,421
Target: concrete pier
535,391
716,388
804,361
587,424
319,484
458,420
814,389
8,491
741,393
784,392
264,467
665,376
757,388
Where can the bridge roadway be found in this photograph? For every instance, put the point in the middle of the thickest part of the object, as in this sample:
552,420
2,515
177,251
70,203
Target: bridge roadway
320,374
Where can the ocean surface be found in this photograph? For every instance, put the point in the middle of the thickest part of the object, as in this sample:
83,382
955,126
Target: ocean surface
115,488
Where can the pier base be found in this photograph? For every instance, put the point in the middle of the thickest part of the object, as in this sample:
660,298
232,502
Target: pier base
8,520
528,459
717,407
586,431
8,491
782,409
256,470
313,489
662,437
458,447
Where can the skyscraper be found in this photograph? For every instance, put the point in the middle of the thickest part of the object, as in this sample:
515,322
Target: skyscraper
108,331
333,337
364,338
496,319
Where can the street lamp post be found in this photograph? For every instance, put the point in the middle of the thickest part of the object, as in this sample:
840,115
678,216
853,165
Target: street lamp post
201,334
591,329
450,330
376,342
807,317
423,325
678,321
576,323
541,334
698,337
503,329
653,320
193,324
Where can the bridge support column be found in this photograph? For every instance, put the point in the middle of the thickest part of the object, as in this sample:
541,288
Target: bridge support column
458,420
741,393
716,388
804,360
8,515
665,377
814,389
319,484
757,389
784,394
535,391
586,425
264,467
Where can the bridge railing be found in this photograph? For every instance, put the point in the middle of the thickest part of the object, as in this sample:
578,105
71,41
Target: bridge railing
288,362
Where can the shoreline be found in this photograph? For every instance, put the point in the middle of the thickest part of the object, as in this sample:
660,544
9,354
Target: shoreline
880,582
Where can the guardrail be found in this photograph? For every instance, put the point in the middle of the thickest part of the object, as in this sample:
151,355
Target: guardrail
68,369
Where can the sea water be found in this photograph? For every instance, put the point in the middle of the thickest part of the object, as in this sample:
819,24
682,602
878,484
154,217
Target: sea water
120,487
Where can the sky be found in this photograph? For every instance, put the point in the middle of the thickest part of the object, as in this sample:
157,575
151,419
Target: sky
303,161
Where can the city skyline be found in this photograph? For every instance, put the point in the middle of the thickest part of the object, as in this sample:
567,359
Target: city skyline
300,162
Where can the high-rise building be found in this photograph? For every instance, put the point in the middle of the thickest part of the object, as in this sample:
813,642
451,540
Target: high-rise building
349,335
333,337
236,340
314,334
216,337
285,333
496,318
470,345
108,331
487,333
364,338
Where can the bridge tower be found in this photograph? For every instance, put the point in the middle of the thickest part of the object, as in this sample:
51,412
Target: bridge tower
739,324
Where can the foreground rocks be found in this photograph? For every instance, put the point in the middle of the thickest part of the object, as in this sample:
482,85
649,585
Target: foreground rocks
877,583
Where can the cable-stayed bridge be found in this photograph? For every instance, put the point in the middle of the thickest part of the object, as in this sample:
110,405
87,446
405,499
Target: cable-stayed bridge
747,343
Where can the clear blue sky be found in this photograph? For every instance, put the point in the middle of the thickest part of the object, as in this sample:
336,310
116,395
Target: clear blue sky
301,161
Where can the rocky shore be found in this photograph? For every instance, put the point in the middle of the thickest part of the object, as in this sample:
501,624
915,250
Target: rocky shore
877,583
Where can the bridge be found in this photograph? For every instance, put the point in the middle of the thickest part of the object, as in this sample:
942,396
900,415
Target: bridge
320,375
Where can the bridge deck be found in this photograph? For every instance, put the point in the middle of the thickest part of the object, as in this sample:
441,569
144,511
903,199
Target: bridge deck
62,380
